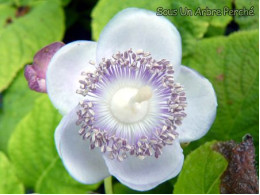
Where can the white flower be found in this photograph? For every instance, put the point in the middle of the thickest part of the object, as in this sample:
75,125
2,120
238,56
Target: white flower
133,108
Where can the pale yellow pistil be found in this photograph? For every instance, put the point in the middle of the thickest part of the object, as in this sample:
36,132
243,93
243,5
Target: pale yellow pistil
130,105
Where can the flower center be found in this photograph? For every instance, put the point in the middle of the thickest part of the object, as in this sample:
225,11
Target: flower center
130,105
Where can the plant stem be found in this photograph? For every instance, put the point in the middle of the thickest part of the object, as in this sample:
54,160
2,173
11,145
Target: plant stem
108,185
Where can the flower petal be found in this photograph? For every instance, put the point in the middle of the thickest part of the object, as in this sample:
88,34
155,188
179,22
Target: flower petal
201,105
64,73
141,29
85,165
146,174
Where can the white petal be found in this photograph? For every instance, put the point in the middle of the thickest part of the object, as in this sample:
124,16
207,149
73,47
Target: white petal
141,29
64,73
201,108
85,165
148,173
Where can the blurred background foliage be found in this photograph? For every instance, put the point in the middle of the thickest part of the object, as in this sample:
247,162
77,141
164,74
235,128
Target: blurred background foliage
222,48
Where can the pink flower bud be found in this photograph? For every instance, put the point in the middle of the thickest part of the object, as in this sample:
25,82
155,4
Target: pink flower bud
35,74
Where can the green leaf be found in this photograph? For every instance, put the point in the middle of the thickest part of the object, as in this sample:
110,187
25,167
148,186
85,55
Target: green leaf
65,2
9,182
31,2
17,102
231,65
6,14
192,28
247,22
56,180
31,146
201,172
21,38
